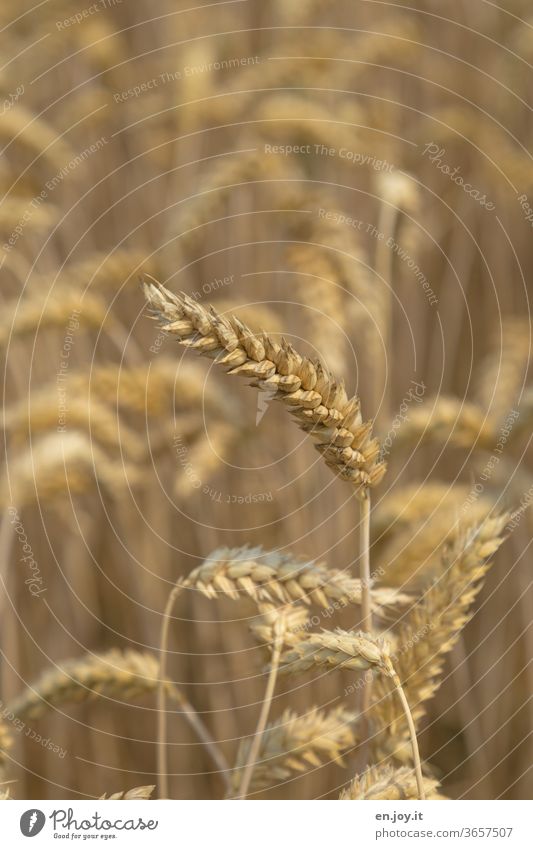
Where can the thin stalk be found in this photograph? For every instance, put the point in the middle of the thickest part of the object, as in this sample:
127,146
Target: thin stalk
189,712
265,709
412,732
204,736
366,605
364,565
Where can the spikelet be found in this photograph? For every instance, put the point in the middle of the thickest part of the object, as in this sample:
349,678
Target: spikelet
319,403
257,314
296,743
339,649
432,626
384,782
273,577
296,622
116,675
143,792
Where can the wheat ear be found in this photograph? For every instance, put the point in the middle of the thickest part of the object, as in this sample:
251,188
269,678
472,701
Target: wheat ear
268,576
318,402
384,782
345,649
295,743
143,792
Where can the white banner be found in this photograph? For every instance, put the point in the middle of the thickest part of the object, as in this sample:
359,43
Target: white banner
266,825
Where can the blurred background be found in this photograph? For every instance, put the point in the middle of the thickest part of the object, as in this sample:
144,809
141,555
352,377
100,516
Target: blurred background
354,175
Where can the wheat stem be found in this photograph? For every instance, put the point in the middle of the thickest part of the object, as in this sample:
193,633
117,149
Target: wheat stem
188,711
412,733
366,597
162,765
265,708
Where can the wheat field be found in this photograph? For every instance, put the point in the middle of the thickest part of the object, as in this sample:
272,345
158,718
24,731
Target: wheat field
266,474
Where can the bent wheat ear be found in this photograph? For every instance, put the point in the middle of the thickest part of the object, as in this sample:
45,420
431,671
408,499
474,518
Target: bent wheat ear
143,792
115,675
387,783
346,649
295,743
270,576
318,402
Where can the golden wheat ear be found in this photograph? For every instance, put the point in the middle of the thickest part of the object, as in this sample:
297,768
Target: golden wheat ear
318,401
432,627
295,743
384,782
